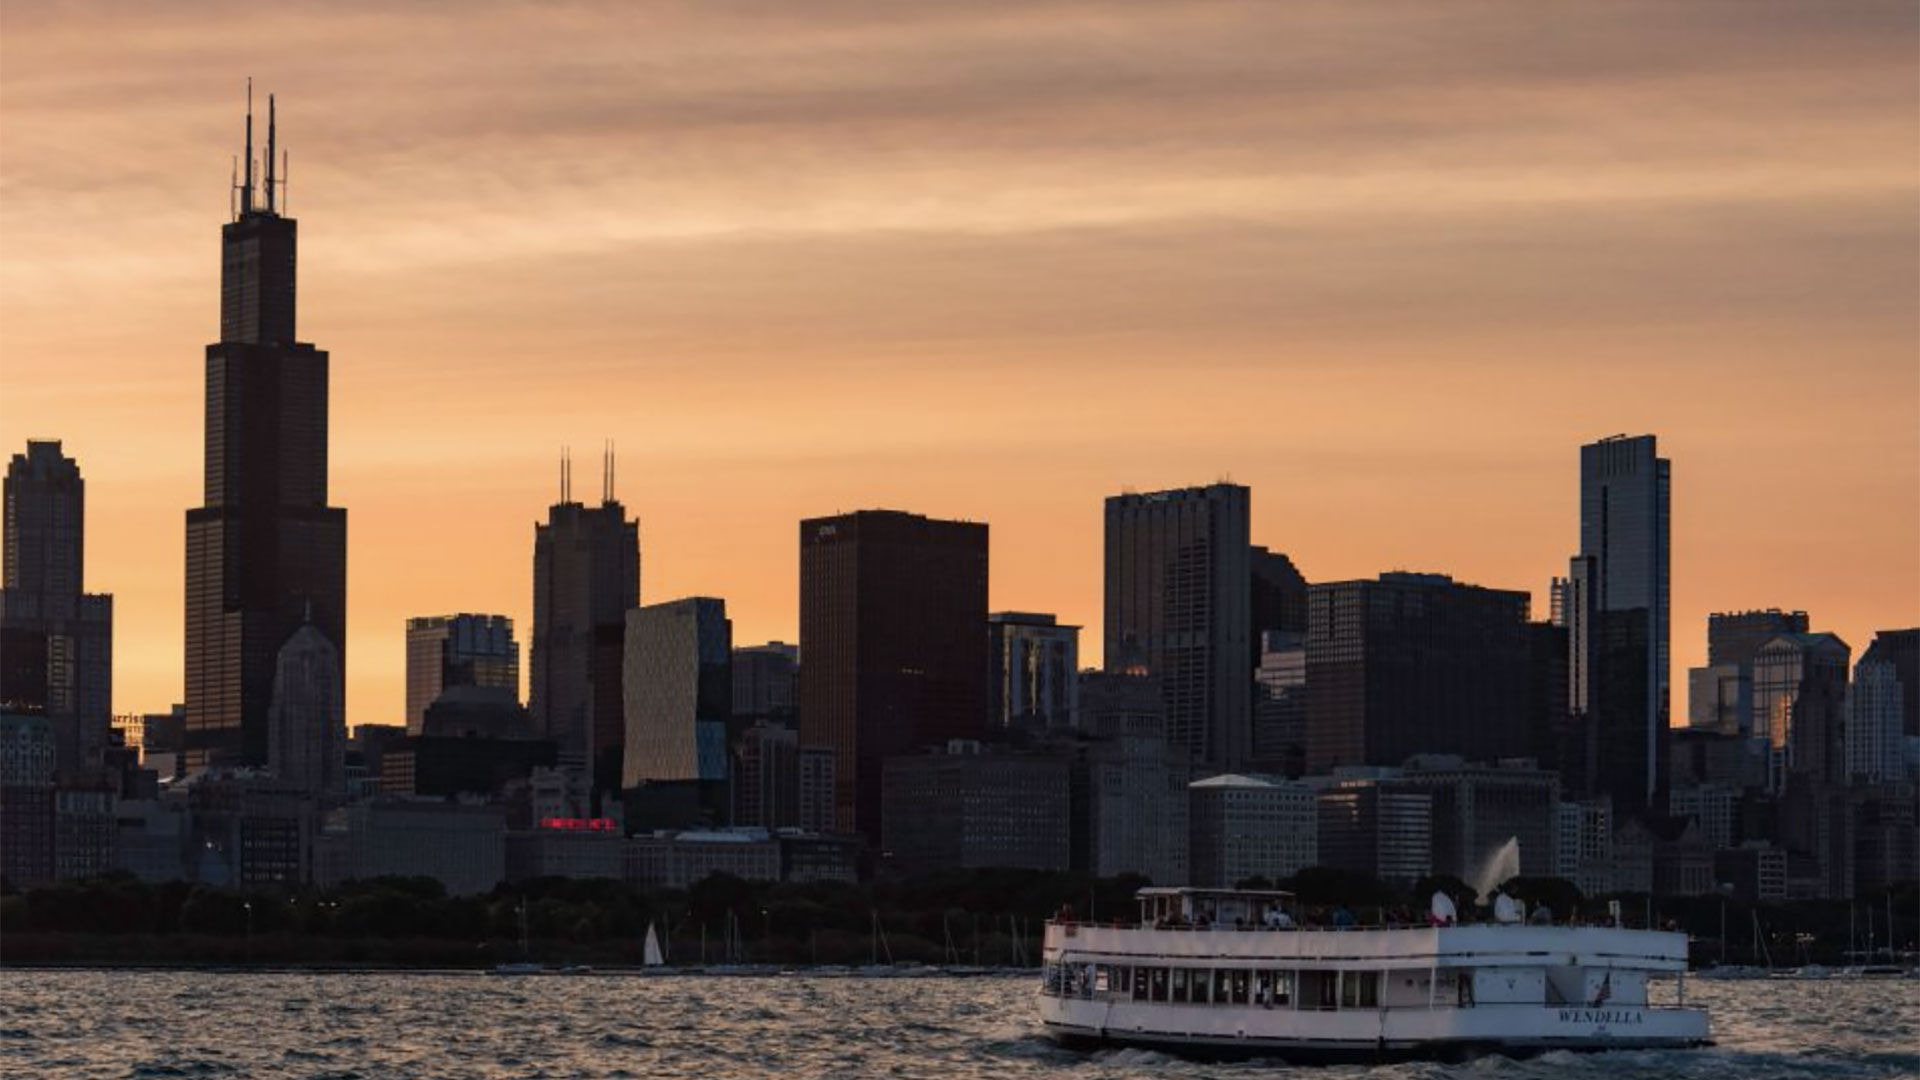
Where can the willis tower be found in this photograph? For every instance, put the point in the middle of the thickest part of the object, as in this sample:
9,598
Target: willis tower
266,555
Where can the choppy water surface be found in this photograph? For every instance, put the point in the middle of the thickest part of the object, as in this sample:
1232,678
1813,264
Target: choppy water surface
198,1024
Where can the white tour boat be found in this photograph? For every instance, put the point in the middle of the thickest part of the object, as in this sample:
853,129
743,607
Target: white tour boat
1224,973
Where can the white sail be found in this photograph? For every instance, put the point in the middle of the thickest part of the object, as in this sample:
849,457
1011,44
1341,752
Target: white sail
653,948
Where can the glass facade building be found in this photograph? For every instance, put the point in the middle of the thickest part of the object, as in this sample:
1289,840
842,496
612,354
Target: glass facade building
1617,608
1035,679
445,651
679,692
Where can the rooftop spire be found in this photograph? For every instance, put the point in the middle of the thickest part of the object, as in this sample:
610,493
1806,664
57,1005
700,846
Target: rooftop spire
246,191
270,153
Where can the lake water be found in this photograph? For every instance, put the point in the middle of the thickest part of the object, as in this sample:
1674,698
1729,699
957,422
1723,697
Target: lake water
376,1026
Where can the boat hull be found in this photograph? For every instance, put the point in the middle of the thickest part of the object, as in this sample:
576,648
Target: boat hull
1314,1036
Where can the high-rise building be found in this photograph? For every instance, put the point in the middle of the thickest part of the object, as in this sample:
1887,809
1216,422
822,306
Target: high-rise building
679,695
892,614
1873,739
766,682
27,757
445,651
1136,803
45,521
1179,606
56,640
1279,600
306,724
1799,696
1734,637
586,576
1034,682
1416,663
1901,650
265,555
1617,611
766,776
1280,703
1720,695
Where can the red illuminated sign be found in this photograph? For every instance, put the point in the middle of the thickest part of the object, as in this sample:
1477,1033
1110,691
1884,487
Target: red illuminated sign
578,824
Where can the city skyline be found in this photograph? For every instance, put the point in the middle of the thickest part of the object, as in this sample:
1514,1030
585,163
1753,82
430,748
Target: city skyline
1771,346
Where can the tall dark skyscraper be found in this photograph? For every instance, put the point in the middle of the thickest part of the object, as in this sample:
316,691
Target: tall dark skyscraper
1179,606
265,554
1616,607
586,576
1417,663
56,641
893,613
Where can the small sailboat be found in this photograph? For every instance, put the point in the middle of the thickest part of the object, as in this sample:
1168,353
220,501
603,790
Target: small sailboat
653,958
525,965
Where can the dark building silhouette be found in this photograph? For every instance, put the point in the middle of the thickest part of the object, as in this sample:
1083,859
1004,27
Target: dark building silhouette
967,807
476,712
893,610
1720,695
1279,599
56,640
265,550
1799,697
1901,650
445,651
1416,663
1733,637
306,729
1617,611
766,775
1279,744
1178,605
586,575
765,684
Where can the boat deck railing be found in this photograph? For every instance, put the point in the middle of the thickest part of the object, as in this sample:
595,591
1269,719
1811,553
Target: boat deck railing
1069,926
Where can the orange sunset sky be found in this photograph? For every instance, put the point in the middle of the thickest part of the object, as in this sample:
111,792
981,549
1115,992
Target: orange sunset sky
1389,263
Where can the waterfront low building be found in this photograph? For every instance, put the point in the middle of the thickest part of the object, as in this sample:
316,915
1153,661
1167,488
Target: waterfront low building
462,847
1251,827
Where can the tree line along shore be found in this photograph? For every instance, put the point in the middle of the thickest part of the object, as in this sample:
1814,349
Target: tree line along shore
987,918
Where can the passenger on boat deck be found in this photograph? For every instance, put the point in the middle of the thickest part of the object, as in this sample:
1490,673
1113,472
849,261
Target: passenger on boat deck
1542,916
1278,919
1342,918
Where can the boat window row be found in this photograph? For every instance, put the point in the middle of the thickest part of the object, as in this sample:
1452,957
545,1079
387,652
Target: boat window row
1274,989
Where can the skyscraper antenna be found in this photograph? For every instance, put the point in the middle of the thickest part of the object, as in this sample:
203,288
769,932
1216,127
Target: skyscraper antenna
233,188
270,153
246,193
610,464
283,181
